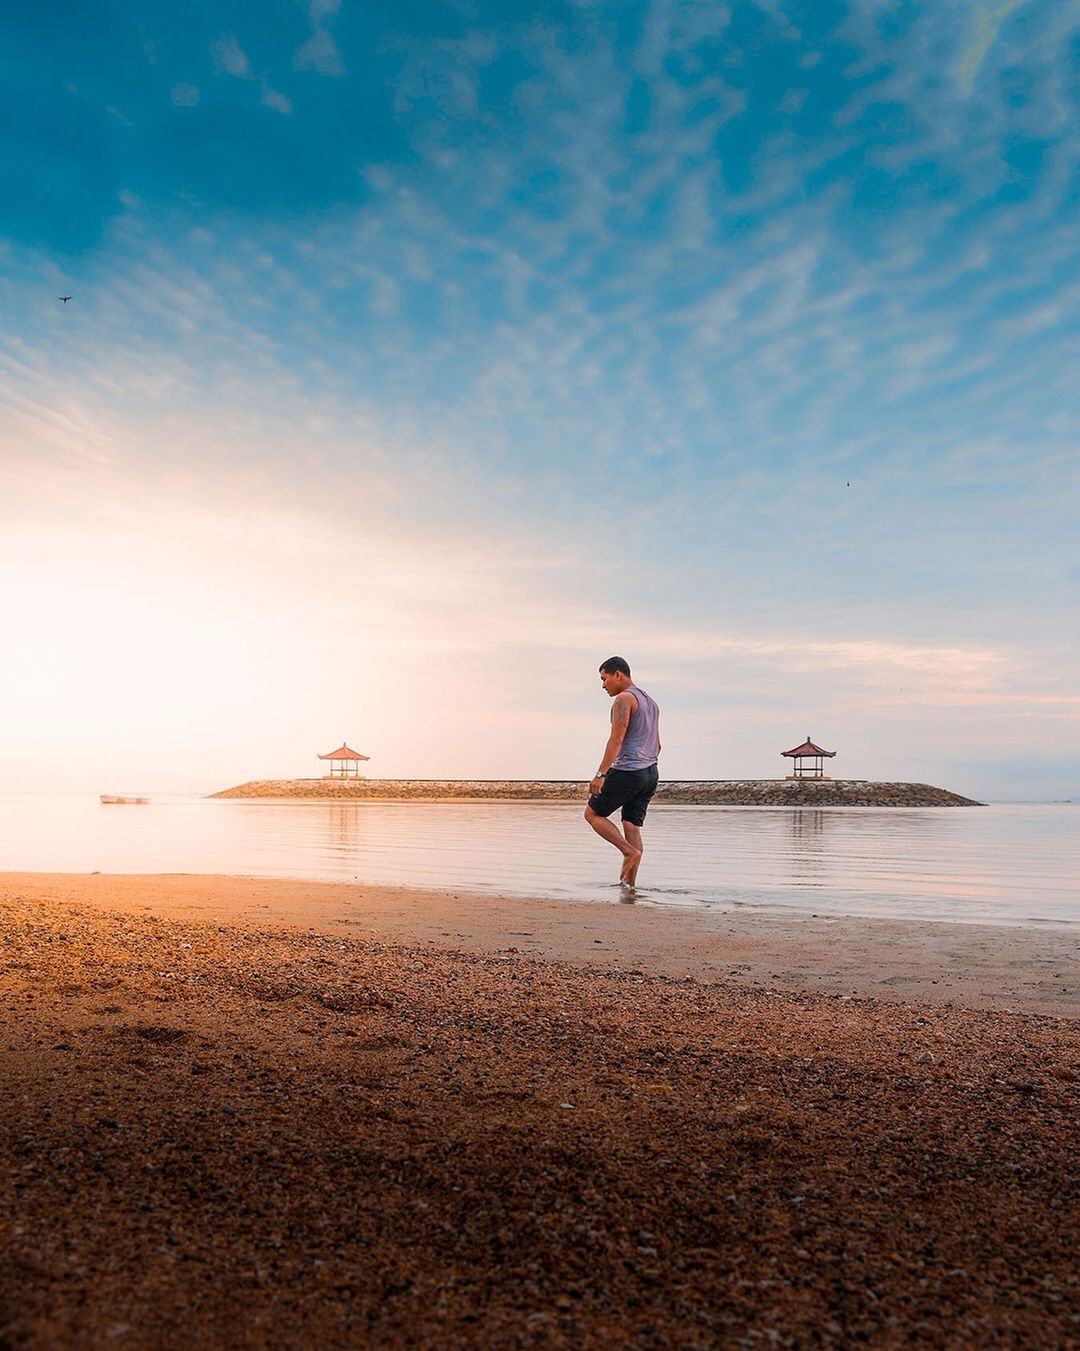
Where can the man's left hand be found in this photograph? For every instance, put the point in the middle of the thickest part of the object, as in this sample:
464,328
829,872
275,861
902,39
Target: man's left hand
596,785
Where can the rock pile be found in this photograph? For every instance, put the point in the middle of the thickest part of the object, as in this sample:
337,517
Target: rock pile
690,792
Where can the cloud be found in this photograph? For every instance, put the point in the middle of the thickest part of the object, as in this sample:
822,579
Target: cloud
301,542
656,287
271,98
320,53
230,57
970,673
988,22
184,95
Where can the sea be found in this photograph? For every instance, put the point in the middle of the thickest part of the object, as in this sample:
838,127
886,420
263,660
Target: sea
1005,863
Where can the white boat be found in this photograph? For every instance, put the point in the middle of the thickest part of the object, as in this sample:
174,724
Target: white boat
108,798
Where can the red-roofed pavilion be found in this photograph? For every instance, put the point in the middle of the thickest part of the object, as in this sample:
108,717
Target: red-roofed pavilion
808,751
344,763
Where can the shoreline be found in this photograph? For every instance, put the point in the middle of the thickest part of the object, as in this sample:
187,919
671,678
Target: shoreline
1014,968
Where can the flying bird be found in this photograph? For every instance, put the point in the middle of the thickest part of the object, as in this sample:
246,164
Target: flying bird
65,299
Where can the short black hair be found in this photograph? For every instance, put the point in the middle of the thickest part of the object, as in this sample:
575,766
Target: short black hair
616,664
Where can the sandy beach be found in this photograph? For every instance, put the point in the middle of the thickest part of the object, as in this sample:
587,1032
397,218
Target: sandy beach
1034,969
248,1113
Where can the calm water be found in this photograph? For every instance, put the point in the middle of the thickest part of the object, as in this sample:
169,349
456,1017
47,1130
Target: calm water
1005,863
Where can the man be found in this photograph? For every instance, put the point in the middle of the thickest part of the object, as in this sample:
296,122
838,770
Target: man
628,774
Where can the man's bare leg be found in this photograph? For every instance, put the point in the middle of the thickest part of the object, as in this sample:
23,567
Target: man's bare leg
636,841
613,835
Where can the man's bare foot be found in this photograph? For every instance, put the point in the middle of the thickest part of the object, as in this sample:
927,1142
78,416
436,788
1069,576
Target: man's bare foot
630,867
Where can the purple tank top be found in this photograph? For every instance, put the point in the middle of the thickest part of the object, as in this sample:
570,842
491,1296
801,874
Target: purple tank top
641,745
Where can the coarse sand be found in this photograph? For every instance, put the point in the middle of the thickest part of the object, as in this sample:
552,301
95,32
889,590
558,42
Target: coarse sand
218,1132
1033,969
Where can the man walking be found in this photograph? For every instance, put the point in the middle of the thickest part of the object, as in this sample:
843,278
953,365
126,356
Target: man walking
628,773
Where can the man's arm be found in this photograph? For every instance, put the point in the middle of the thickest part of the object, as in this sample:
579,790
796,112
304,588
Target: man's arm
620,721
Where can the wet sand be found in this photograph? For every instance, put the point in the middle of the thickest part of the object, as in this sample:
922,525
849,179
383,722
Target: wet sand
1030,969
287,1130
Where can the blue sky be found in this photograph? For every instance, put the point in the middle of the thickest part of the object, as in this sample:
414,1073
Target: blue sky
506,335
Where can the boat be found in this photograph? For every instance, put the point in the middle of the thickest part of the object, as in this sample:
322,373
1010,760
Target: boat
109,798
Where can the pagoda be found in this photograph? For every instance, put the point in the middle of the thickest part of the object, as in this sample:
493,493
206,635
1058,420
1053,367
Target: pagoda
808,752
344,763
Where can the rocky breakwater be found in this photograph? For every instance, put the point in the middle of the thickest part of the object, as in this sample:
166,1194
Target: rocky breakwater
696,792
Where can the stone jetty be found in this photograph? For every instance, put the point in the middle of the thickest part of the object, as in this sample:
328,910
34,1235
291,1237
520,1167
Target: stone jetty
697,792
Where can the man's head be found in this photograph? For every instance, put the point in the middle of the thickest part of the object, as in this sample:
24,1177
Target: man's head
614,675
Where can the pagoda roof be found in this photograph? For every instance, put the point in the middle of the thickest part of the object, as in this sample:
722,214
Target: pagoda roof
808,748
344,753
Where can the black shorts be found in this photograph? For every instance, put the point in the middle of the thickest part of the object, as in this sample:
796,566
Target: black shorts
630,789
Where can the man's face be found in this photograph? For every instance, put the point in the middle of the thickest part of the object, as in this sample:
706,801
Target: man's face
612,682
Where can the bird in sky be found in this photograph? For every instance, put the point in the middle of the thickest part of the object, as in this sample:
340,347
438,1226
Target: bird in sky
65,299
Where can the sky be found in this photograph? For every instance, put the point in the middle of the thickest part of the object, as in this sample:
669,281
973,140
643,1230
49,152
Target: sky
419,356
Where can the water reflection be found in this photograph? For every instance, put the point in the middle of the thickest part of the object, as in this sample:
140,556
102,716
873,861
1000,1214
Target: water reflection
343,828
1005,863
806,848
